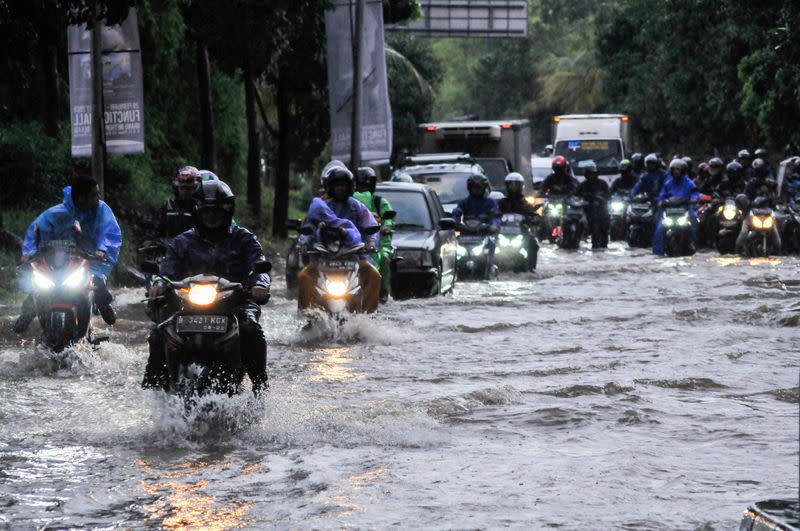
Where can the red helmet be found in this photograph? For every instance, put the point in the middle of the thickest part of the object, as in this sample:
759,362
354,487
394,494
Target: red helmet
560,162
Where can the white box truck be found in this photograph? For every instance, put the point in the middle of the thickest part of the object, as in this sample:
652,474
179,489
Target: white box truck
603,138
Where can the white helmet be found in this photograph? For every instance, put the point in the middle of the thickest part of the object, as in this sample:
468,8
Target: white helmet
514,177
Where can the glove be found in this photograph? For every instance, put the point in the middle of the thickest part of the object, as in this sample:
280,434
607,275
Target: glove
157,290
260,293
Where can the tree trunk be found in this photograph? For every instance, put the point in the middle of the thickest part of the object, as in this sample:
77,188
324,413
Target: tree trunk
253,143
50,90
208,133
280,212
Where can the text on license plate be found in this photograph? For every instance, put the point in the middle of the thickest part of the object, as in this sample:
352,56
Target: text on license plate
201,323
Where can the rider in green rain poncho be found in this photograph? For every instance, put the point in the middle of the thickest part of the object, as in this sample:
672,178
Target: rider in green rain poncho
365,192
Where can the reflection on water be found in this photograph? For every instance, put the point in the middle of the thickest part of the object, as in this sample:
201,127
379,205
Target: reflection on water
774,262
333,365
184,500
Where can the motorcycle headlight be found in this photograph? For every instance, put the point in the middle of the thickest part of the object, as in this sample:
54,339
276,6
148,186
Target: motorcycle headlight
756,222
729,212
555,209
42,281
668,221
202,294
477,250
768,222
336,288
617,207
517,241
684,220
503,241
75,278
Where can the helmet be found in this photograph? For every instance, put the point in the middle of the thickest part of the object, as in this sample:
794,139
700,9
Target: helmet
327,170
761,153
760,168
514,183
402,178
625,165
744,154
715,166
208,175
339,174
366,179
651,161
589,169
689,162
214,204
478,180
734,170
560,163
637,160
186,181
703,168
678,165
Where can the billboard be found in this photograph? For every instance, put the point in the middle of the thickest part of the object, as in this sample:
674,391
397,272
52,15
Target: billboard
122,88
469,18
376,114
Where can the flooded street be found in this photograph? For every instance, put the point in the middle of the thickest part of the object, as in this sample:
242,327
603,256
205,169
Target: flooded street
611,390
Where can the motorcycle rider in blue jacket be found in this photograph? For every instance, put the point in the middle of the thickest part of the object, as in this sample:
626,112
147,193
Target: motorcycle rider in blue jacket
478,205
215,247
677,184
82,218
652,179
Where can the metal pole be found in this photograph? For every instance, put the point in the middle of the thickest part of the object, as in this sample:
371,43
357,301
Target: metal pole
358,69
98,118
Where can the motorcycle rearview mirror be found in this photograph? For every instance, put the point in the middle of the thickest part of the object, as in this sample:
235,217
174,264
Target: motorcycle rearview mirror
293,224
262,268
149,267
306,230
389,214
369,231
447,224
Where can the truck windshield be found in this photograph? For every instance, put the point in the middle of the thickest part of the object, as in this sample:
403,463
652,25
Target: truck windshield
451,187
605,153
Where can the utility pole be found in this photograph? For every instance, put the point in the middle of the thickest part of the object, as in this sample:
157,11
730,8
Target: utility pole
98,109
358,69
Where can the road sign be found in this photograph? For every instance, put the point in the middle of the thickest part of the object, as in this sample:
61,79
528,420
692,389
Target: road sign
469,18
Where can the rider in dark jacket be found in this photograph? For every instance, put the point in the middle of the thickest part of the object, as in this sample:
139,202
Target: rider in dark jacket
216,248
514,203
594,191
761,185
176,214
561,181
627,178
652,180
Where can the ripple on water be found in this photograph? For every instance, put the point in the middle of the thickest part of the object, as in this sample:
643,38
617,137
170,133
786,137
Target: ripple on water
611,388
455,406
689,384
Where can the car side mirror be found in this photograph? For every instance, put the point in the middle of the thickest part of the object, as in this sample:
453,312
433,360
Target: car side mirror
389,214
369,231
447,224
306,230
149,267
263,267
293,224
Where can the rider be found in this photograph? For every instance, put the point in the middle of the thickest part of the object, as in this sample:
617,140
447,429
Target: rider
337,204
716,175
176,215
514,203
627,178
214,247
761,185
478,205
733,182
678,184
82,217
594,191
637,162
763,154
366,181
745,159
560,181
690,167
652,180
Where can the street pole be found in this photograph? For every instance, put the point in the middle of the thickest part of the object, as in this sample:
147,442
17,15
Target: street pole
358,69
98,118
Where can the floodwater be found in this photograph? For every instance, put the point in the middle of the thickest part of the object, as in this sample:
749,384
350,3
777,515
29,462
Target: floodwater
611,390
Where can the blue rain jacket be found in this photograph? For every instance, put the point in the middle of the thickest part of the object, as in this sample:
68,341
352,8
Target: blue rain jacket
232,258
99,231
650,183
684,188
471,207
352,215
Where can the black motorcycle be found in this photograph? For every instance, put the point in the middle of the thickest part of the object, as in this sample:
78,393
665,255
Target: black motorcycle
475,259
572,223
789,228
761,223
551,219
201,331
728,224
676,223
640,218
617,208
513,242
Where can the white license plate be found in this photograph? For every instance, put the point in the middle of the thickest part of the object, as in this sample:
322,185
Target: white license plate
214,324
340,265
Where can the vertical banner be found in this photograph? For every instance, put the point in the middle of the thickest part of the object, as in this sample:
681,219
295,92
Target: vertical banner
376,120
122,88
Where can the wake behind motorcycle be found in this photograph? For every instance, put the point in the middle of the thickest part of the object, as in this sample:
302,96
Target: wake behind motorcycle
201,331
475,259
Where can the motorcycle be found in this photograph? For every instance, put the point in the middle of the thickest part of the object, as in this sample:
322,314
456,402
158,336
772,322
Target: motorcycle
790,229
62,293
202,339
338,281
617,208
569,231
640,217
475,260
553,210
761,220
513,242
677,224
729,223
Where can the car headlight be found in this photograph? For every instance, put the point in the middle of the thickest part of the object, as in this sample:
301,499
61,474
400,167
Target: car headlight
202,294
729,212
617,207
75,278
477,250
42,281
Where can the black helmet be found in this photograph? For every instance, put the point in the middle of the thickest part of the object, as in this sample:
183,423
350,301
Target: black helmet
339,174
760,168
689,162
478,180
589,169
715,166
214,204
326,171
366,179
637,161
734,170
651,161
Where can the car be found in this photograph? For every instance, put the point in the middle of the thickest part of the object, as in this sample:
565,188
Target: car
448,180
424,240
541,167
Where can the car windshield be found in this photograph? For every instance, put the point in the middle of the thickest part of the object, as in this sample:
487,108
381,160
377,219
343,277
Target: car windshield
451,187
605,153
411,207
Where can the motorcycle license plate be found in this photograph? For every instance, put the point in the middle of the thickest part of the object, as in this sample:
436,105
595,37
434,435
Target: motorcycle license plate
214,324
340,265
